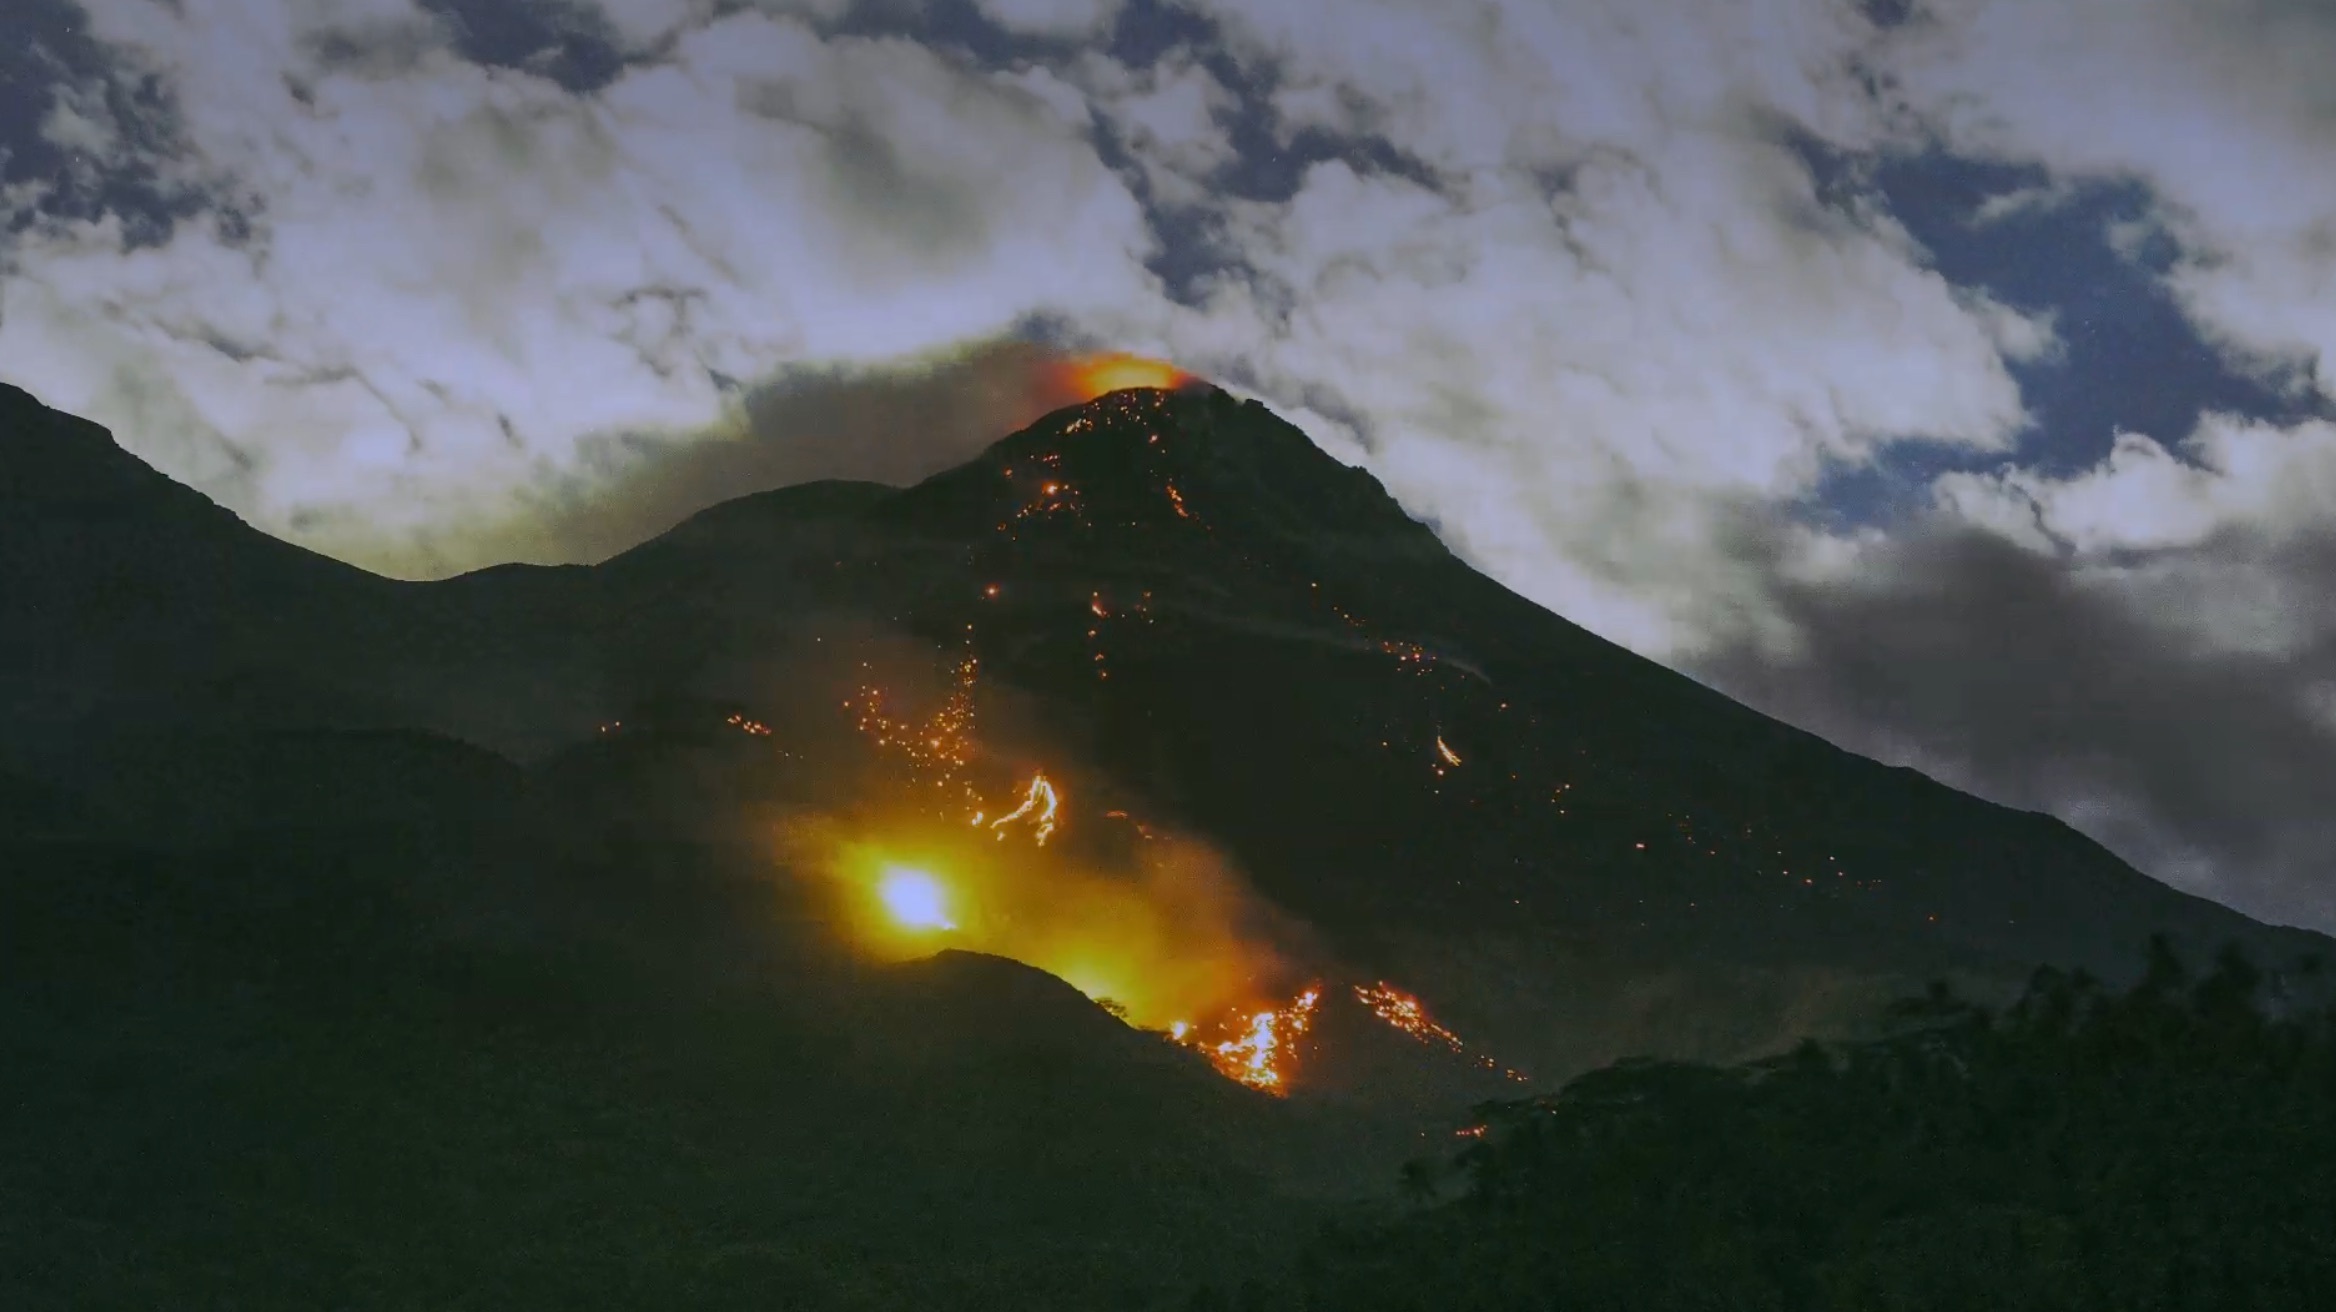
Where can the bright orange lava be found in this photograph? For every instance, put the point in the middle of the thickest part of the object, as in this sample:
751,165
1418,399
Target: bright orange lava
1258,1048
1097,374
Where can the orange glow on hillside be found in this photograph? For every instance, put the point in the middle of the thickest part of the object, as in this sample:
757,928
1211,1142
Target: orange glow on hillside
1261,1051
1095,375
1164,933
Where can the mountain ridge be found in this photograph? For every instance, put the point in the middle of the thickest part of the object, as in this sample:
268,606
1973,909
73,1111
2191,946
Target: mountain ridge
362,930
1224,554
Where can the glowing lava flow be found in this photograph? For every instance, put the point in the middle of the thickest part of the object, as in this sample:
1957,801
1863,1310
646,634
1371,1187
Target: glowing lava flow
1408,1015
1405,1013
1168,931
1039,804
1262,1045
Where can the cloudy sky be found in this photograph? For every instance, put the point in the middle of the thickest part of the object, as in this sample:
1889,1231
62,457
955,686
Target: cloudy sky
1946,376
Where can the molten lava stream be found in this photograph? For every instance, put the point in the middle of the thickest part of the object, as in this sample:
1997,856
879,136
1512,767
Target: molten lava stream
1261,1049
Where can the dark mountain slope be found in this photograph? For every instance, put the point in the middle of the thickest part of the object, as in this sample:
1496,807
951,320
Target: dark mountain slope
124,594
432,1054
1281,650
410,996
1260,642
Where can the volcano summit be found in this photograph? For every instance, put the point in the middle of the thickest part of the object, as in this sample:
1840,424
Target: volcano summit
465,935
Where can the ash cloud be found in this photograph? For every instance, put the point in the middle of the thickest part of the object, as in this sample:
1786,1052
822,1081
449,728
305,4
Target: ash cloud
893,425
2005,671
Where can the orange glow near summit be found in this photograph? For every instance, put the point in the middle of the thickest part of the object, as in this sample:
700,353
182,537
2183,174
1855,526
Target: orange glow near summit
1092,376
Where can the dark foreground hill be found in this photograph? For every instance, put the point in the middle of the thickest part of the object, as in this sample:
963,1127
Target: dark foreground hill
2164,1148
337,1057
386,944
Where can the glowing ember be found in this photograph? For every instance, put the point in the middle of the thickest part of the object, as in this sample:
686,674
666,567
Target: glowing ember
939,749
1405,1013
1260,1051
1408,1015
1143,830
1161,933
1039,804
1410,655
914,899
1444,750
1097,375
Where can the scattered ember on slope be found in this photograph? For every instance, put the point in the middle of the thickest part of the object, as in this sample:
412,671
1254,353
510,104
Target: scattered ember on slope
1408,1015
1410,655
1405,1012
939,749
1261,1048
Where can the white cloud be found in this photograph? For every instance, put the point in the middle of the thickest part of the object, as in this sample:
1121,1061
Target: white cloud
1619,315
2191,542
2232,475
2219,106
1066,20
458,274
1170,117
2021,202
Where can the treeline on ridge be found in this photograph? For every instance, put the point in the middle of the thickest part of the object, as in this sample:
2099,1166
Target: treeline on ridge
2168,1147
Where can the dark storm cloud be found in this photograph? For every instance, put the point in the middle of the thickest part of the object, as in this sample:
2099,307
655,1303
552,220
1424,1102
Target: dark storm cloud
1997,669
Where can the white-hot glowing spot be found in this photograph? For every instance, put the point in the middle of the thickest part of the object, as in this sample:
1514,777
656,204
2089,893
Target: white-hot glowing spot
914,899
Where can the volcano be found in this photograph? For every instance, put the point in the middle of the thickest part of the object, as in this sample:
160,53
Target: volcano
439,930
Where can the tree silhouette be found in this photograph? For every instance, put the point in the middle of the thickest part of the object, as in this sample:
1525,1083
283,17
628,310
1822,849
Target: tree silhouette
2165,1148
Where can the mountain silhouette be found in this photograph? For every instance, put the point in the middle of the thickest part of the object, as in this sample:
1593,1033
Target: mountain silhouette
279,837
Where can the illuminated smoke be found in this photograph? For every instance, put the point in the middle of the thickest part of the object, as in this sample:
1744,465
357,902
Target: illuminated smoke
1164,935
1096,375
1160,932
